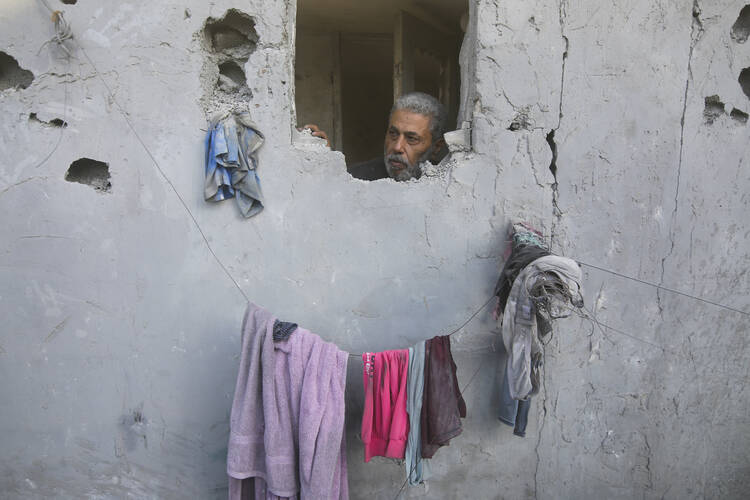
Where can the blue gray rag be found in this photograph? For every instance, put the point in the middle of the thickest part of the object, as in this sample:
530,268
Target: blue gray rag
232,143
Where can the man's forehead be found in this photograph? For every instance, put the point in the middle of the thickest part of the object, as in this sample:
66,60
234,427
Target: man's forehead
410,121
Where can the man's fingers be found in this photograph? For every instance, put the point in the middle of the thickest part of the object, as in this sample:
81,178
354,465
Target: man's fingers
317,132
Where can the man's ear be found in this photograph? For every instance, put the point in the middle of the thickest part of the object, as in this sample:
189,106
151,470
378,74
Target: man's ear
437,150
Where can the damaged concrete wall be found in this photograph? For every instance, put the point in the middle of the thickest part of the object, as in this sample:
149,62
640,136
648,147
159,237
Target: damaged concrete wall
621,130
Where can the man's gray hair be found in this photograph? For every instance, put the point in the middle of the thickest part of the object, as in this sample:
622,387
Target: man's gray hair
425,104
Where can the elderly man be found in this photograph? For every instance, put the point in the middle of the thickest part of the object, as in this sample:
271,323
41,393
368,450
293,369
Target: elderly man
414,135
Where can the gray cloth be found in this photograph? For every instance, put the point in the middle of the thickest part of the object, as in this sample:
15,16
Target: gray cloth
513,412
282,330
519,320
417,468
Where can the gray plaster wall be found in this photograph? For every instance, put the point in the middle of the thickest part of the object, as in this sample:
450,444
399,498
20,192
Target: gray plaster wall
120,333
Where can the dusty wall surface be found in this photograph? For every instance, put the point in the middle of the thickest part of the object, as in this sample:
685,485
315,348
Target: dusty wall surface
119,346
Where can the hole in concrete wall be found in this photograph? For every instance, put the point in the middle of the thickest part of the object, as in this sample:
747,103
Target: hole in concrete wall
69,2
233,35
741,27
713,109
346,53
229,42
55,122
738,116
90,172
231,76
12,75
744,80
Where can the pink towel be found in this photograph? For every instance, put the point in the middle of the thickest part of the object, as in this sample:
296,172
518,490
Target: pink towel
287,421
385,423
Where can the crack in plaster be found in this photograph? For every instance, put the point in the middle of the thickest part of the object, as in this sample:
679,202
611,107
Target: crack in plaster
696,32
541,427
556,212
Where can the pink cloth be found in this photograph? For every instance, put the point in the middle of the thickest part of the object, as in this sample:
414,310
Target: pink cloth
385,423
287,421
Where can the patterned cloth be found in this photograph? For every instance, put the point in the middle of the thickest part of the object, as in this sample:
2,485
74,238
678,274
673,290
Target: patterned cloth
232,143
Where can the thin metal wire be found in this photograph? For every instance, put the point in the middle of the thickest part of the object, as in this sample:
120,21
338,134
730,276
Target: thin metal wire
158,167
62,33
666,289
457,329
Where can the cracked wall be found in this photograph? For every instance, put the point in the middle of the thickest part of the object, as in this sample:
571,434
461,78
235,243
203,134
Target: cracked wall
591,121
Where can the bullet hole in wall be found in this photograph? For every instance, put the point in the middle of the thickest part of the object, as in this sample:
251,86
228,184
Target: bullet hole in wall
90,172
739,116
744,80
741,27
713,109
12,75
231,77
55,122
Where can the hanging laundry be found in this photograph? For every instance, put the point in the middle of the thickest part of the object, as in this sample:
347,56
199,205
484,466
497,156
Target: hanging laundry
513,412
417,468
543,287
286,427
527,245
442,403
385,423
232,142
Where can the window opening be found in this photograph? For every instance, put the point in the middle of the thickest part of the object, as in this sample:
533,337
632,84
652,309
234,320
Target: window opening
355,57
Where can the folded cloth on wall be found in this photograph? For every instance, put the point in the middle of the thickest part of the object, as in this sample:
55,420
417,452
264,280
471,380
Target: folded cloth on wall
560,279
286,430
442,403
417,468
385,424
232,142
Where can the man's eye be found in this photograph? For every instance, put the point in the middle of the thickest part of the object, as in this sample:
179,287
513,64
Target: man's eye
412,140
393,133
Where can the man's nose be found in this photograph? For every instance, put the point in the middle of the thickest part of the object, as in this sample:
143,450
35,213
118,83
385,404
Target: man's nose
398,146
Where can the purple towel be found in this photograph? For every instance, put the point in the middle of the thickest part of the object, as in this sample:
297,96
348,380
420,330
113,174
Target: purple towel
287,421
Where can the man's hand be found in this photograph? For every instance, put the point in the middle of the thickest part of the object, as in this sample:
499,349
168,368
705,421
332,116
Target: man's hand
317,132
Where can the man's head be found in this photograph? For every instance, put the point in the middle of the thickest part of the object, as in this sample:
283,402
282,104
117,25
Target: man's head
414,135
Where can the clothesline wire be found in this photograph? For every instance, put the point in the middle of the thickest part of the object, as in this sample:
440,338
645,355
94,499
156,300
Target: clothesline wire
62,33
666,289
457,329
124,115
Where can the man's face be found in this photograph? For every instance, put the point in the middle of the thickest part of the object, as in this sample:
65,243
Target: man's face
408,142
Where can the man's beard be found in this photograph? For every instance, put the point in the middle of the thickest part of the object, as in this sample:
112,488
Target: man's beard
411,170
